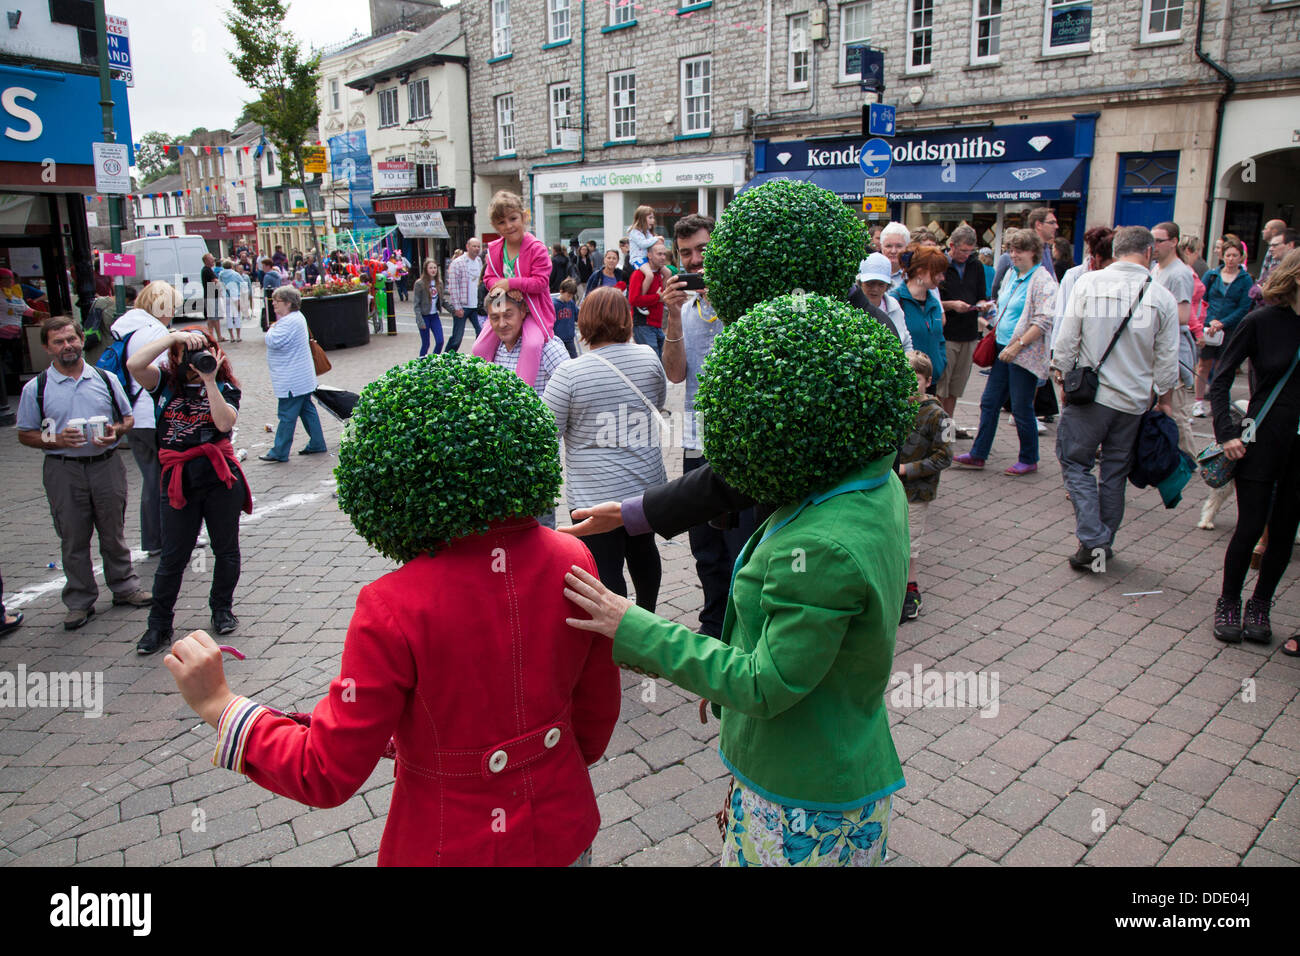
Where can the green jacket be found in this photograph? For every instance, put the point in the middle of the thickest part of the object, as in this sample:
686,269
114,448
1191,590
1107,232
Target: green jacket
808,643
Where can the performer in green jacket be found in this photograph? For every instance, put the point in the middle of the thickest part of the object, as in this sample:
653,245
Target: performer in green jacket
804,407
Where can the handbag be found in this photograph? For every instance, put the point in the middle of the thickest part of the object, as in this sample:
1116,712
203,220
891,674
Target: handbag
1080,383
986,352
319,359
1217,468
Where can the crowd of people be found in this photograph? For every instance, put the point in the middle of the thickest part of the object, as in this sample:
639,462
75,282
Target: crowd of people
1093,348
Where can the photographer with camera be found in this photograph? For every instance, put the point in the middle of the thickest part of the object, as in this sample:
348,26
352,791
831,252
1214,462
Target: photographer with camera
197,401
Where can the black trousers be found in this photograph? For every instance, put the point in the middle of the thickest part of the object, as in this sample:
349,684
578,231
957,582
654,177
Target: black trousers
1260,504
715,553
207,502
613,548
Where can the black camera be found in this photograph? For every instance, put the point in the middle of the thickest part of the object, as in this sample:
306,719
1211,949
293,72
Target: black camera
201,360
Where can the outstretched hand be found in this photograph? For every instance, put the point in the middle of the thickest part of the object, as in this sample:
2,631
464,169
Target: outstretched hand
195,662
598,519
605,607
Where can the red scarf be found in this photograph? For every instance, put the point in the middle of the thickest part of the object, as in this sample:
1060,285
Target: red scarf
220,453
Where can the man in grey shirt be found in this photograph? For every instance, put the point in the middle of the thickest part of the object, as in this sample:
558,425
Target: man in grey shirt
690,326
1169,270
84,481
1144,361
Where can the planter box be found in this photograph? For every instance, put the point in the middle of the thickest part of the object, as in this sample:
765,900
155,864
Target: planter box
338,321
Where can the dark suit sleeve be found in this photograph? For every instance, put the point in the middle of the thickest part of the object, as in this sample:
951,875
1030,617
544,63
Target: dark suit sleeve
692,499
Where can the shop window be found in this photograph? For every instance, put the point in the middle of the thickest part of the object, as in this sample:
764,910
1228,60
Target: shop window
697,95
800,52
557,20
560,98
426,175
506,124
1067,26
622,105
169,230
855,29
500,28
388,107
920,35
1161,20
986,31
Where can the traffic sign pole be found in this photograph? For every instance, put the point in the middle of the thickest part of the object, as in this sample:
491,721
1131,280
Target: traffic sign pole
106,103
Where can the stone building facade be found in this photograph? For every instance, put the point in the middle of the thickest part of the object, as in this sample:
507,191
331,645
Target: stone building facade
589,110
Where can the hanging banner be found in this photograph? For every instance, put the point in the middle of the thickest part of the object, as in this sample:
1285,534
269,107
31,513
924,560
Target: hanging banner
415,225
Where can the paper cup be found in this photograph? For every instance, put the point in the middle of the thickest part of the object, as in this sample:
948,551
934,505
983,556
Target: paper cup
96,427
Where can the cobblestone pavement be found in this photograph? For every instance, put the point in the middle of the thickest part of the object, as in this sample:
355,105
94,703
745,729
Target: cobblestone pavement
1124,733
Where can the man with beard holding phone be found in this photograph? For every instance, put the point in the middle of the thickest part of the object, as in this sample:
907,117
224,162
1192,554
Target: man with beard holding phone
75,413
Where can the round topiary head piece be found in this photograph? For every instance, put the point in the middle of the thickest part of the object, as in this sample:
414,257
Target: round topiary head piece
799,393
778,237
441,446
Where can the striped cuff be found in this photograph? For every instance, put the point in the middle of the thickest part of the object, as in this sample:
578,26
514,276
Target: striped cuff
233,731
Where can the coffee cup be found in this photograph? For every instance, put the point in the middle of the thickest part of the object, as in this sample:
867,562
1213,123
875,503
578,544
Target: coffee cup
96,427
78,423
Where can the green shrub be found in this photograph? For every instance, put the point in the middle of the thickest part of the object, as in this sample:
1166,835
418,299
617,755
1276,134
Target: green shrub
439,447
798,393
778,237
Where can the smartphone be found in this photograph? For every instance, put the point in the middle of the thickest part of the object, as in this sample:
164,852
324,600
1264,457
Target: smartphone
693,280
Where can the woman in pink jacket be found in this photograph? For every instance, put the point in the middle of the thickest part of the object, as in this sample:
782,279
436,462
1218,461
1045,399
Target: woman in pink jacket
518,260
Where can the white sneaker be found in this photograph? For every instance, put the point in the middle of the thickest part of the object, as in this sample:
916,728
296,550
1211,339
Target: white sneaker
1042,429
1198,409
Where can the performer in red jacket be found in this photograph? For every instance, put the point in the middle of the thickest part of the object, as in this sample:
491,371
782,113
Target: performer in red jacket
463,658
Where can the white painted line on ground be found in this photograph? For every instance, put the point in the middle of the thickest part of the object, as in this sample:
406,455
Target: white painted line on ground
32,592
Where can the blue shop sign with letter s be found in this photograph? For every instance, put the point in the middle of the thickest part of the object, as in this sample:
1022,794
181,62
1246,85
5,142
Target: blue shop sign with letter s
55,116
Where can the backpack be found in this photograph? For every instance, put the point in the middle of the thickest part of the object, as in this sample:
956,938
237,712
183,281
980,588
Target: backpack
108,384
113,360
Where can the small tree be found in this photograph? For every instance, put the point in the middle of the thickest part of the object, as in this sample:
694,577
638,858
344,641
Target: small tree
269,59
152,160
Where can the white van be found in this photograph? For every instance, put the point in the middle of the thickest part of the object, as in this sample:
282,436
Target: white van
166,257
174,259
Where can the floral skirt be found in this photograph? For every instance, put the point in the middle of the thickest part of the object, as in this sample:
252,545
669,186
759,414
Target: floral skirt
762,833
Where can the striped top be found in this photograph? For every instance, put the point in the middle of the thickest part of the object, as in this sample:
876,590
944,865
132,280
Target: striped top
288,353
613,443
554,354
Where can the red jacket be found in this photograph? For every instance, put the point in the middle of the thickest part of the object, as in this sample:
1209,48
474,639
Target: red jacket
496,705
648,300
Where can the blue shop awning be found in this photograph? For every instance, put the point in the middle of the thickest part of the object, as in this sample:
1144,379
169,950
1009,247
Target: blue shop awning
1046,179
959,182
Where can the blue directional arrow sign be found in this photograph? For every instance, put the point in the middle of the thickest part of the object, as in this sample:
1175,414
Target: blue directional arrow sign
875,158
880,120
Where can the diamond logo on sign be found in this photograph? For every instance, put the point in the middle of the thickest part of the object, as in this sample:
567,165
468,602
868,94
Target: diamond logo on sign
1040,143
1028,172
784,158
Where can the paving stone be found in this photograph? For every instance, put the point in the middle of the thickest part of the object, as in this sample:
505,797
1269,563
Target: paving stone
333,850
1021,806
116,837
1082,817
1019,749
1246,800
680,850
1044,847
1194,774
157,852
319,823
614,844
662,820
663,786
1155,820
921,844
1189,851
616,805
986,836
1214,827
1123,846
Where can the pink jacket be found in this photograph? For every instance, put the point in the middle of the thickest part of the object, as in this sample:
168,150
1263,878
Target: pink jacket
533,278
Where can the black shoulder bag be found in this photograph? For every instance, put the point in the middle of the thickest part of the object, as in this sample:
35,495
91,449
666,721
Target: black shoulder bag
1080,383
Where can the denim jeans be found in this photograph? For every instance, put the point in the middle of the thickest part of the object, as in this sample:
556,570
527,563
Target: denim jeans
1006,378
651,336
290,410
458,328
432,324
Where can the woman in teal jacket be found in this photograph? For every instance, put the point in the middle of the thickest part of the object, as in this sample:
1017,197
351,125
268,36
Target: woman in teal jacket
921,307
801,670
1227,300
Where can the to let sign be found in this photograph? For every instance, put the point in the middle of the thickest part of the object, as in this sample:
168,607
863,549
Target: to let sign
117,264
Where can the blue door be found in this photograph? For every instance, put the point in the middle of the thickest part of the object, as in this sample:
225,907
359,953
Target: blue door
1148,183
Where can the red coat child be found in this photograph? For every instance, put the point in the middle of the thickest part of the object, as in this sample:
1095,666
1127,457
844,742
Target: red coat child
496,705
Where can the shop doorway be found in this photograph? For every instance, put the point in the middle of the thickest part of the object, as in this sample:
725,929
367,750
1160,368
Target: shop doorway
1148,183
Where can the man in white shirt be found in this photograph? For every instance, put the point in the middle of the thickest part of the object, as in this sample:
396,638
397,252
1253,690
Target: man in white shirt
1143,361
462,292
